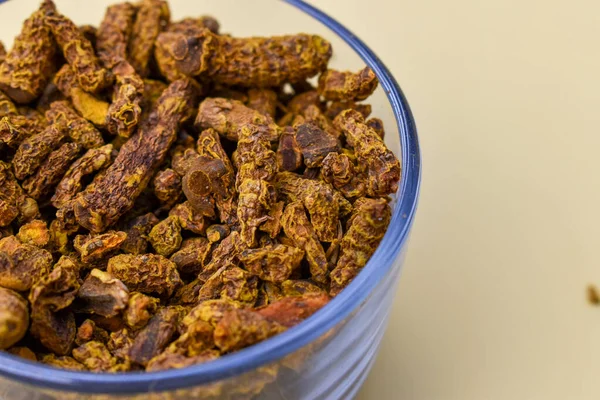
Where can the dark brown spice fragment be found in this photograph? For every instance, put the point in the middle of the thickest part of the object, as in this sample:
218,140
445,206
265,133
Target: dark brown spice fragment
336,107
94,249
165,236
88,331
115,193
21,265
152,17
290,311
28,66
50,172
315,143
263,101
192,256
289,154
79,53
33,151
336,85
78,128
155,336
167,187
137,233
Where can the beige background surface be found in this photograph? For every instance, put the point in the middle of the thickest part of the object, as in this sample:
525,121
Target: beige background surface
505,93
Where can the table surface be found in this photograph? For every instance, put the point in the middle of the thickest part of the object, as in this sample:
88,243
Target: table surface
491,304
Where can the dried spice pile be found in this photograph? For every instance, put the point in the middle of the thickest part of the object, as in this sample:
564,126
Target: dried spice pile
171,194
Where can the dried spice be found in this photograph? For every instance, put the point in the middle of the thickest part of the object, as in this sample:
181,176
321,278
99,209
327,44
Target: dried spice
366,228
151,19
146,273
239,328
28,67
140,309
14,318
21,264
79,129
315,143
192,256
96,357
165,237
289,154
102,294
167,187
93,249
227,116
299,229
248,62
49,174
34,150
336,107
72,181
336,85
181,240
155,336
35,233
88,331
115,193
290,311
89,106
23,352
319,199
137,234
79,53
372,155
263,101
65,362
273,264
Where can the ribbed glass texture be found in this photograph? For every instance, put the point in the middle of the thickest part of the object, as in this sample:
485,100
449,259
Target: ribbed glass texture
329,355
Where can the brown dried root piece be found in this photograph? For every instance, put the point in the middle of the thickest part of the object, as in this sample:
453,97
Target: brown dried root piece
94,249
192,25
34,233
114,33
137,233
79,129
152,17
289,154
115,192
263,101
339,170
140,309
273,264
73,180
248,62
336,107
336,85
50,172
88,331
52,323
14,318
257,166
102,294
28,67
89,106
188,218
33,151
192,256
223,255
14,129
239,328
147,273
298,228
89,32
315,144
13,201
151,340
290,311
65,362
21,265
167,187
96,357
319,198
372,155
366,228
228,116
79,53
165,237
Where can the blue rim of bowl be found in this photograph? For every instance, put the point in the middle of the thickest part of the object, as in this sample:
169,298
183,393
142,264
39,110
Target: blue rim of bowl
36,374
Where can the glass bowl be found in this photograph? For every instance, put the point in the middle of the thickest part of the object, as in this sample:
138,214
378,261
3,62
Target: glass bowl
329,355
